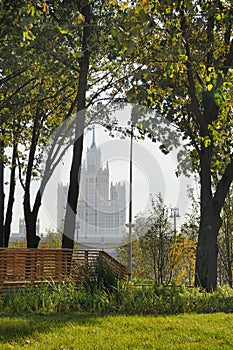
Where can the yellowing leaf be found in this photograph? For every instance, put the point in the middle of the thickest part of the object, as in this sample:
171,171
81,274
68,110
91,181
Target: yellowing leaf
31,10
45,8
81,18
113,2
27,35
207,142
209,87
63,31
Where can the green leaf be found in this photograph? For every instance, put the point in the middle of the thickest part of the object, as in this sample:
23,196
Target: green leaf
207,142
63,30
31,10
28,35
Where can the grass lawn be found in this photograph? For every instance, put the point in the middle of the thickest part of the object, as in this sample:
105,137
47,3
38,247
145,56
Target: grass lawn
75,331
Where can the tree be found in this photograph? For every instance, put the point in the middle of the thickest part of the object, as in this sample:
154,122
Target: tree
157,242
225,243
98,54
153,241
158,252
45,82
185,246
183,259
187,51
139,265
9,136
73,191
2,195
51,239
36,98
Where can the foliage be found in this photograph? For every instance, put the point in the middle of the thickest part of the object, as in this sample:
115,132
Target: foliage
42,54
139,269
159,254
184,249
48,297
101,277
157,241
190,226
123,299
51,239
182,254
38,90
185,53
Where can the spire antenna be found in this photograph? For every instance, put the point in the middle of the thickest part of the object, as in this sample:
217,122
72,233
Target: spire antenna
93,145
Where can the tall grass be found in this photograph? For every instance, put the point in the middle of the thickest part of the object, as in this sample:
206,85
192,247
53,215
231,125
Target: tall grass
124,298
99,291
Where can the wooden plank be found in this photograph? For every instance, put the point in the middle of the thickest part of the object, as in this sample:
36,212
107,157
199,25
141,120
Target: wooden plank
29,266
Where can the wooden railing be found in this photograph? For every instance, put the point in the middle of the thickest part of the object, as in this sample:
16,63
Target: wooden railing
22,266
120,269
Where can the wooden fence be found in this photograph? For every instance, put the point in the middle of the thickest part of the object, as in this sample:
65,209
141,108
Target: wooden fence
22,266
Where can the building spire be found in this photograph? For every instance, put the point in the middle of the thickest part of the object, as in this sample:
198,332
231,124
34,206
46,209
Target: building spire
93,145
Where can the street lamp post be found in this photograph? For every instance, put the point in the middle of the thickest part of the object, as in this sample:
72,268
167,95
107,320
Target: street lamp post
130,224
174,214
77,228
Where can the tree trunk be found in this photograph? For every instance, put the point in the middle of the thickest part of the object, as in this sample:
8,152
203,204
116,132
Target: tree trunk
2,195
73,191
207,251
29,215
210,222
30,222
11,198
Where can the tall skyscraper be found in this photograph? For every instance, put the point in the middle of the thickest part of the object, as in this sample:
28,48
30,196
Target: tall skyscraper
101,213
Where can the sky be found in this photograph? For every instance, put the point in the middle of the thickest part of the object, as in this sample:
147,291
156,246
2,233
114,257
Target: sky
153,173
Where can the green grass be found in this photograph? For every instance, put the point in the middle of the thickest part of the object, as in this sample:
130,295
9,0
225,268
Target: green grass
124,299
76,331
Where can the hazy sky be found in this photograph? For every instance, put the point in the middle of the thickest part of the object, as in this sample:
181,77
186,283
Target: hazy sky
153,172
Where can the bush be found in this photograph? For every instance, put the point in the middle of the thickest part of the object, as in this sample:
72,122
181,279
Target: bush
101,276
41,298
99,295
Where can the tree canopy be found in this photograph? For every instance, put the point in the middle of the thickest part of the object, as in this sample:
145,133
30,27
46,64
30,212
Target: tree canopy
185,51
174,57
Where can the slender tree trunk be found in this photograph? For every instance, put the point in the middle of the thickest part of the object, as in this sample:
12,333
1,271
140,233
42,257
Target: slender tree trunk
11,198
2,194
29,215
73,191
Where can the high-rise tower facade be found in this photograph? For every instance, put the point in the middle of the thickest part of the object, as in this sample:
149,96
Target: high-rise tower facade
101,213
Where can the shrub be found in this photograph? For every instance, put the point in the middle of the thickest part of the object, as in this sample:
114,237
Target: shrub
99,296
100,276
